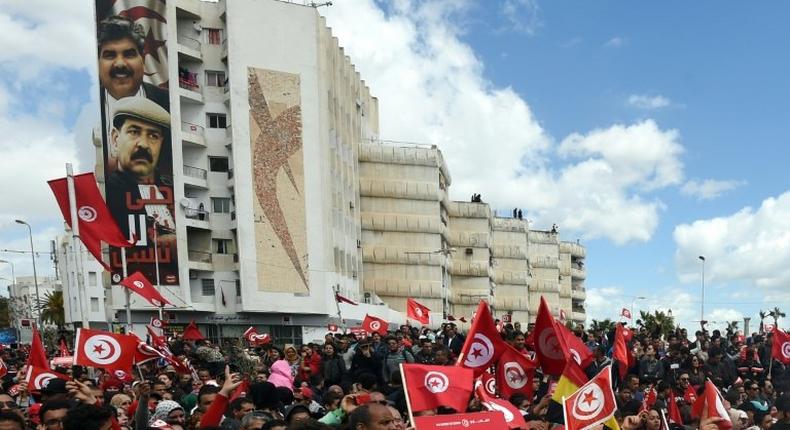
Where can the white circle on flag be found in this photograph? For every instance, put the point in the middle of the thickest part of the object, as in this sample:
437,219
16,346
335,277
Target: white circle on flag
786,349
480,351
495,407
138,284
436,382
576,357
549,344
588,404
491,386
42,380
515,377
120,374
156,322
375,325
418,311
102,349
87,213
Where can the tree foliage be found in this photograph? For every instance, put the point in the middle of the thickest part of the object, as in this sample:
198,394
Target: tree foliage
52,310
656,323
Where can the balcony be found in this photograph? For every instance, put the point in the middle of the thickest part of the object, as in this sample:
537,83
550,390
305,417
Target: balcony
200,260
578,294
226,94
545,262
188,9
193,134
224,50
197,218
230,183
189,49
578,273
228,137
195,177
189,91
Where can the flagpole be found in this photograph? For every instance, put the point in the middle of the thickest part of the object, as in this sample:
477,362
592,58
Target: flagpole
75,242
408,400
564,413
156,265
127,293
337,304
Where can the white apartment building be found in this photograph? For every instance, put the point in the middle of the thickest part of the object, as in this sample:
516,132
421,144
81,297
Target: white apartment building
96,308
283,194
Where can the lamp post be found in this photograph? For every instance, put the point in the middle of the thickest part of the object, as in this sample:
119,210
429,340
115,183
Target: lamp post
634,301
702,301
13,277
35,276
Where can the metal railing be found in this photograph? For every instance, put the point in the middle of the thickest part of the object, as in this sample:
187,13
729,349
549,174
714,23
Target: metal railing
195,172
199,256
188,127
189,84
198,214
189,42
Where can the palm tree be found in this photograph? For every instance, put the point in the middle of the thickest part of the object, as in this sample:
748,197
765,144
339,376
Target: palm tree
732,326
776,313
762,314
604,326
657,323
51,309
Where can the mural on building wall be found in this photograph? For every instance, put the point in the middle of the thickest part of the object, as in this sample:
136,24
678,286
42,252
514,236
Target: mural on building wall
278,174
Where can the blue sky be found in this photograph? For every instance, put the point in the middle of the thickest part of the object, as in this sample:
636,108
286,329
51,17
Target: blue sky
654,132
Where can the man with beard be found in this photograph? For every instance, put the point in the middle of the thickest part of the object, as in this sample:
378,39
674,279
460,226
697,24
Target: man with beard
140,134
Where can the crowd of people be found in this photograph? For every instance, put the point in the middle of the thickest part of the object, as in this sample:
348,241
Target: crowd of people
355,383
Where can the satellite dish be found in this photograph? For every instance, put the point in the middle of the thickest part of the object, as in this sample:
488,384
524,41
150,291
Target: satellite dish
184,203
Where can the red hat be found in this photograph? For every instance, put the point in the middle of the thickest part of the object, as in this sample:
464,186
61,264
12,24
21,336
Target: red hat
303,393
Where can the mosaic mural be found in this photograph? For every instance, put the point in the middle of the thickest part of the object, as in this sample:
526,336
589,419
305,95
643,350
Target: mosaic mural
278,174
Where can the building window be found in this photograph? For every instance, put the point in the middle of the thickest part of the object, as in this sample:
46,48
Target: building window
216,120
215,78
220,205
222,246
238,287
214,35
218,164
92,279
94,304
208,287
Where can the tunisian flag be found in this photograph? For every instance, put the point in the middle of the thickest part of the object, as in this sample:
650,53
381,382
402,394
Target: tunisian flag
432,386
483,344
781,346
39,377
547,345
514,372
513,416
620,352
592,404
192,332
38,355
96,348
417,311
375,325
96,224
711,404
139,284
252,336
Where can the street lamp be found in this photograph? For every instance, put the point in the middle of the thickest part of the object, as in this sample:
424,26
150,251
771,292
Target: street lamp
634,301
13,276
35,276
702,301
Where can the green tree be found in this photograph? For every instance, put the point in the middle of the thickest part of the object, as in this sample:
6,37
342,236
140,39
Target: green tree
604,326
762,314
52,310
656,323
5,312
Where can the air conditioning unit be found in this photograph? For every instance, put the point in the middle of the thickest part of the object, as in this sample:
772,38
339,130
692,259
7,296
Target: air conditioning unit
359,244
193,274
351,205
354,274
470,251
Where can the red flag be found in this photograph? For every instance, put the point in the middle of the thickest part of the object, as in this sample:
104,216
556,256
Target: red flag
650,399
627,334
252,336
487,380
625,313
240,391
38,377
138,283
432,386
592,404
96,224
3,368
38,355
375,325
145,352
780,350
674,412
332,327
157,323
547,345
514,372
572,346
417,311
64,349
690,396
157,339
483,344
513,416
96,348
470,421
341,299
620,351
191,332
711,404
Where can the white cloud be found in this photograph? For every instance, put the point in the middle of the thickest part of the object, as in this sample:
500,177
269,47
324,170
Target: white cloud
750,247
708,189
522,16
432,89
643,101
615,42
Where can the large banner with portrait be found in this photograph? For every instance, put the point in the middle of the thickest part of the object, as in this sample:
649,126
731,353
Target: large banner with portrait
136,156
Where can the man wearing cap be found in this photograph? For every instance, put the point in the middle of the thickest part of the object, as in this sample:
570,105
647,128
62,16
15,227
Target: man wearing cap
140,134
783,413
